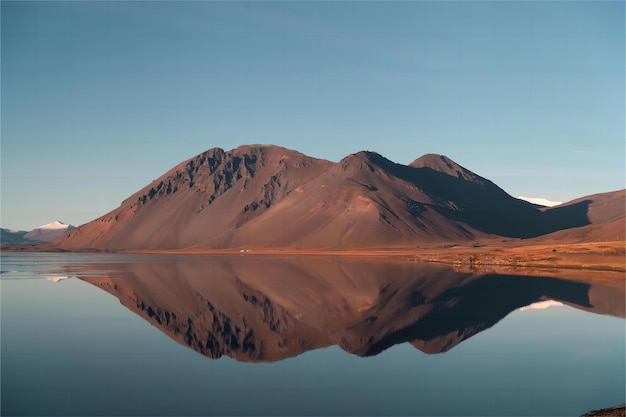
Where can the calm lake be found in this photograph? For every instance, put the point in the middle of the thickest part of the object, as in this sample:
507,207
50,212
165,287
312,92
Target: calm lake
112,334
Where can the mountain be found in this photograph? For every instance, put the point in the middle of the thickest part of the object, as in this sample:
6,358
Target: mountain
252,309
606,213
264,196
203,201
42,234
13,236
445,165
48,232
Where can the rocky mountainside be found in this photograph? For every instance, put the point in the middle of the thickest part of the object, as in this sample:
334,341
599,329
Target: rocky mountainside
265,196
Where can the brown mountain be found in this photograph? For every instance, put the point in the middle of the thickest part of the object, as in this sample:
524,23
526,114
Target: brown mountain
202,201
606,214
271,197
259,309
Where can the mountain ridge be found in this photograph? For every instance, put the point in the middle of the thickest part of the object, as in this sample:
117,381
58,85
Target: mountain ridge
442,163
268,196
42,234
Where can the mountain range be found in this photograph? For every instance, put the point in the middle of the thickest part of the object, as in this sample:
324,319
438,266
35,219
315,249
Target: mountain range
265,196
42,234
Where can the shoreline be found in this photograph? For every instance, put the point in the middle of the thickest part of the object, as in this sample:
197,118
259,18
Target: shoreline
618,411
593,256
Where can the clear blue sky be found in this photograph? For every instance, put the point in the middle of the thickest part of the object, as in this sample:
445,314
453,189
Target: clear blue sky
99,99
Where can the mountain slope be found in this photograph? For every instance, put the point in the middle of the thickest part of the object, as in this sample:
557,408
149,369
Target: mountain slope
265,196
201,201
355,204
463,196
606,213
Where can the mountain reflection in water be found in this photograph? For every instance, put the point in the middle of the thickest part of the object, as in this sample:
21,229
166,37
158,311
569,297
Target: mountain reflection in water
268,309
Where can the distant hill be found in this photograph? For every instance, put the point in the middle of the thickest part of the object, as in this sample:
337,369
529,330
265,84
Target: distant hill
48,232
13,236
606,214
264,196
42,234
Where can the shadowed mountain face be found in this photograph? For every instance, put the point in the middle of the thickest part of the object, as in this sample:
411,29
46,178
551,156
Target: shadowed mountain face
606,213
255,309
272,197
465,197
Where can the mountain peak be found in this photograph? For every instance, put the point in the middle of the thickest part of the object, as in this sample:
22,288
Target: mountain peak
48,232
272,154
363,160
437,162
53,226
443,164
265,196
256,148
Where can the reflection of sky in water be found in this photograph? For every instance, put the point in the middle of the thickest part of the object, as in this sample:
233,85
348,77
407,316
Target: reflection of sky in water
71,348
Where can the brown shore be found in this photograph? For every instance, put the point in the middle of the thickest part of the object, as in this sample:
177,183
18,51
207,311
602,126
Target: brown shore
599,256
619,411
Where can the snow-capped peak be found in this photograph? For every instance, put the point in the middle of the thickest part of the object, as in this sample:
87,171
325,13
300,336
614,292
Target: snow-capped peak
48,232
55,225
540,201
541,305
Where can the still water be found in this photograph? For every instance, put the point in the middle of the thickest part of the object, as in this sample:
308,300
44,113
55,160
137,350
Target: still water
105,334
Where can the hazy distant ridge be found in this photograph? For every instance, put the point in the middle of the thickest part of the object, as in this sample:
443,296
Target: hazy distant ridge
42,234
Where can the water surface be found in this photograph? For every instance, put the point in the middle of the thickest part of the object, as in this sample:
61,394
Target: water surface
103,334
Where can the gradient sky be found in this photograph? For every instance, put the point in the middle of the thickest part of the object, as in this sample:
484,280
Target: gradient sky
99,99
